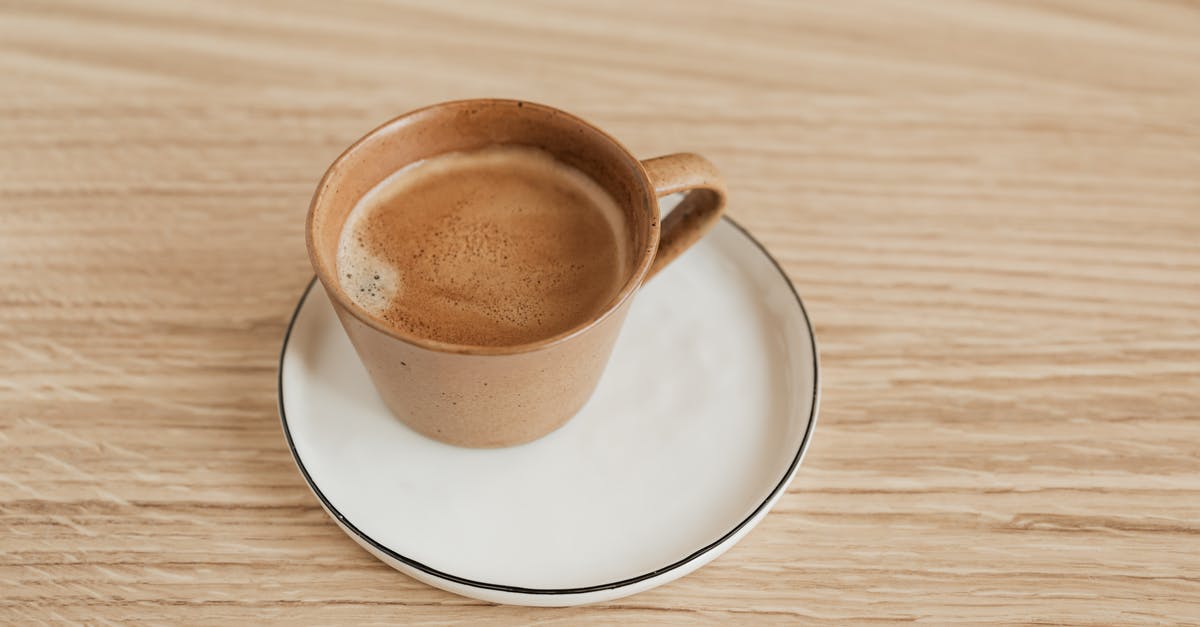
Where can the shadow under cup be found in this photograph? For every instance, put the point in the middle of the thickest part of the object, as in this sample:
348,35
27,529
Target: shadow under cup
482,396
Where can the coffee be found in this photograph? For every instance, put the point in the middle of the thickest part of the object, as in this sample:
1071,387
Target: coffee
495,247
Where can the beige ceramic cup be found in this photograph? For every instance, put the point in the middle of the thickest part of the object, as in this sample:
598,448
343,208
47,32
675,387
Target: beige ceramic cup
491,396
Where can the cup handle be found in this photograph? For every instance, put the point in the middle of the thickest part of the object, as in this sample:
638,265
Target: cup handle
699,210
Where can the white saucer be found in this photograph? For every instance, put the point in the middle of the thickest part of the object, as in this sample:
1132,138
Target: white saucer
696,429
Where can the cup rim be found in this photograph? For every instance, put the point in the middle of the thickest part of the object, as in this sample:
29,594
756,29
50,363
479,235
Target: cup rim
329,282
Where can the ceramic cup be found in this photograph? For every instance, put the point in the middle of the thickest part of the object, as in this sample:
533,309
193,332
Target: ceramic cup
492,396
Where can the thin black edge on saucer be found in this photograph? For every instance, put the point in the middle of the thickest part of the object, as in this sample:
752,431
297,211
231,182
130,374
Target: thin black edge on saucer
787,476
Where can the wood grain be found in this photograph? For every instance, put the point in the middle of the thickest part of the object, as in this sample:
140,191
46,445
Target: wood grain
992,210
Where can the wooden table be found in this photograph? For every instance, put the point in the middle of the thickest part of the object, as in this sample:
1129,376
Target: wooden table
992,210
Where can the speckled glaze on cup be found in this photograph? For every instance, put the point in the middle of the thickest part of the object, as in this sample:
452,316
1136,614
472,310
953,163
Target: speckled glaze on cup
491,396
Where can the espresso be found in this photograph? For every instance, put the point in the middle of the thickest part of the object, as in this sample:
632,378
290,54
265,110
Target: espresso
496,247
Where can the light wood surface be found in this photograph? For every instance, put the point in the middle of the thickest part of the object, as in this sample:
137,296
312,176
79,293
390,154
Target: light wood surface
991,209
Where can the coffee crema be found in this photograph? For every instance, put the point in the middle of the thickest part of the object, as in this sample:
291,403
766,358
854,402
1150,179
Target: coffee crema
495,247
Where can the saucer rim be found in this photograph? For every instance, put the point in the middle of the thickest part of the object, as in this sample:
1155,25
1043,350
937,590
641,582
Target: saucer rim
750,518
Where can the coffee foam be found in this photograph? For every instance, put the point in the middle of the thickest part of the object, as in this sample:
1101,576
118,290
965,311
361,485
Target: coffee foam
499,246
371,282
